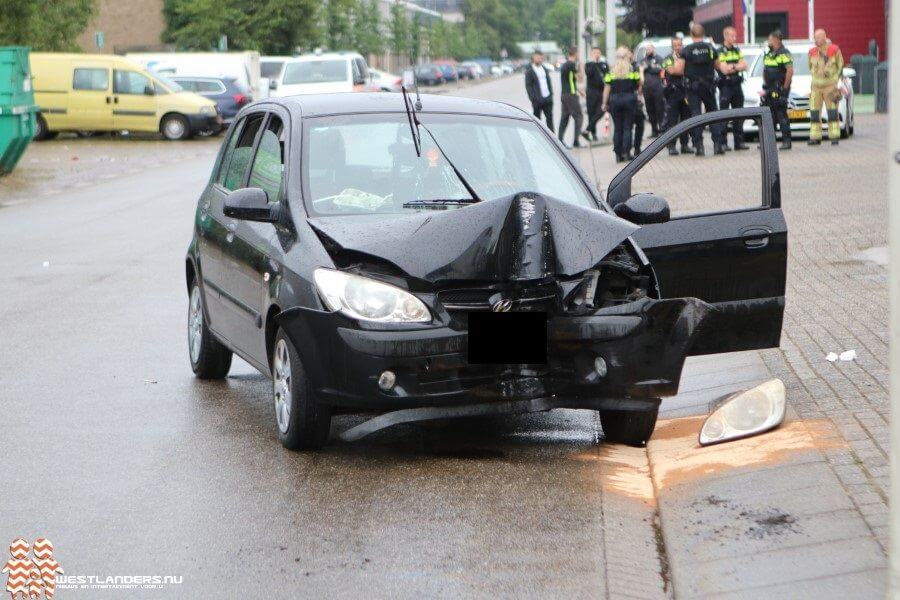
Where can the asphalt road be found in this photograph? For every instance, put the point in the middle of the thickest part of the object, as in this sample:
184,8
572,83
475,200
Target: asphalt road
133,467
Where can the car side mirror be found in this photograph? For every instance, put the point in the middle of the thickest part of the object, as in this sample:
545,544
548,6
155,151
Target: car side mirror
273,84
361,80
250,204
849,72
643,209
148,90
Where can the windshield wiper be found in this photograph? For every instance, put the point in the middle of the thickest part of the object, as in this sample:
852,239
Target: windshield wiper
413,122
462,179
440,202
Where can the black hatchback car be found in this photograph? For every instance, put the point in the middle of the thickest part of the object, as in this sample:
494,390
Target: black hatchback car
450,259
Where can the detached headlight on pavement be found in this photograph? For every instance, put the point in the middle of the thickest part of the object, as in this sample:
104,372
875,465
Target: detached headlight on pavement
367,299
747,413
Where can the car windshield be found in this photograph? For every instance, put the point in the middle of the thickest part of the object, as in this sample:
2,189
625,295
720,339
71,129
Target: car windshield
169,84
801,64
362,164
315,71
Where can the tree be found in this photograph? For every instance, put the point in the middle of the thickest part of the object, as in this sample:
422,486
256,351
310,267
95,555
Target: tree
338,24
44,26
657,17
559,23
399,29
367,28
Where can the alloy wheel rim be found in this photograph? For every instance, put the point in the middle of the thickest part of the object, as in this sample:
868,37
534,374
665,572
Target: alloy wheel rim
281,385
195,324
174,128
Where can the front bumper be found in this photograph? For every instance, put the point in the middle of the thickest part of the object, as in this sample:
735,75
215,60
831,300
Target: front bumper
644,344
200,123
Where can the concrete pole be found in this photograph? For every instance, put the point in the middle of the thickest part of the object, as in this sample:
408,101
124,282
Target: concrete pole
893,200
810,14
610,30
578,34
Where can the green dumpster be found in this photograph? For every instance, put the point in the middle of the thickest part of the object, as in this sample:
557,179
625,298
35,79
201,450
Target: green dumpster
17,108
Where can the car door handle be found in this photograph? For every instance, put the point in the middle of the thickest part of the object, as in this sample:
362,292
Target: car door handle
108,100
756,237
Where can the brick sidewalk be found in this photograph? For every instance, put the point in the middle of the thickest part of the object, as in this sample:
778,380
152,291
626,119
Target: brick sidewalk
834,201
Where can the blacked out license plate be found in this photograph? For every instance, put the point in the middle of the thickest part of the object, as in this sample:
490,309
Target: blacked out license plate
507,338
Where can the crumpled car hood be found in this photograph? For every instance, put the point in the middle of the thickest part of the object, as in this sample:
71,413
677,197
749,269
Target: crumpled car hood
522,237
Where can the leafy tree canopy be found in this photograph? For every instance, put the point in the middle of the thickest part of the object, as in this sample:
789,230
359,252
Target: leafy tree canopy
44,26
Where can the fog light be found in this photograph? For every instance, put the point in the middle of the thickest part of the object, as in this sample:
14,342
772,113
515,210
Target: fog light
747,413
387,380
600,366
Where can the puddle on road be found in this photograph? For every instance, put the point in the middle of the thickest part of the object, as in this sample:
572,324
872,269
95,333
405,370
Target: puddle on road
678,458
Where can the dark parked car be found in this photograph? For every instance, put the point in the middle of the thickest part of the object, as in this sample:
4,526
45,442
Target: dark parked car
429,75
227,92
450,72
455,261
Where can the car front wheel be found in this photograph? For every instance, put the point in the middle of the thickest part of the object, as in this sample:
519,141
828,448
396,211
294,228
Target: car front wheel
303,422
209,358
630,427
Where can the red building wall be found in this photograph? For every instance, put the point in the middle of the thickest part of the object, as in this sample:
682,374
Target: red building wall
850,25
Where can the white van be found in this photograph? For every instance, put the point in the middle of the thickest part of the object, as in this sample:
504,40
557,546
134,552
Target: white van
243,66
323,74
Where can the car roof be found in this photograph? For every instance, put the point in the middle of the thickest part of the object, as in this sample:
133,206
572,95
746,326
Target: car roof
324,56
316,105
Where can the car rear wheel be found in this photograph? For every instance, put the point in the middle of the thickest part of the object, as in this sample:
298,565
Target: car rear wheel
630,427
40,130
303,422
175,127
209,358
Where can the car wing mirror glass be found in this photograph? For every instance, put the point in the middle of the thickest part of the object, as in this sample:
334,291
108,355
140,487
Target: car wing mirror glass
273,84
148,90
644,209
250,204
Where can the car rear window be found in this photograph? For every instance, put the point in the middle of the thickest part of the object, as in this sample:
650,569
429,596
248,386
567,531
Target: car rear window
315,71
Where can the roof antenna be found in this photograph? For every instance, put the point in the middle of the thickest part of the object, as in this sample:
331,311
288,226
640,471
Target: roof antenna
418,97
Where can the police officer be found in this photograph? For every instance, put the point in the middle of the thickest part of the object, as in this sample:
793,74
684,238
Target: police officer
595,71
651,73
675,94
569,97
620,98
700,63
778,70
731,95
826,63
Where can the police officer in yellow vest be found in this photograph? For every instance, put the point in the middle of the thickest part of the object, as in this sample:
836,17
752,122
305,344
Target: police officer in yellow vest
826,64
778,71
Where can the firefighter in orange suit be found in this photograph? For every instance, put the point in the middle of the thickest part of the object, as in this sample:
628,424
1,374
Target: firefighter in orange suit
826,64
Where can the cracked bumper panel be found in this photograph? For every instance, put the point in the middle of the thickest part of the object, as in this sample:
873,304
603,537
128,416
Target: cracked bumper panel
643,343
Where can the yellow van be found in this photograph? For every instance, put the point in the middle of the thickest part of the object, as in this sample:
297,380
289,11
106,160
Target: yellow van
95,92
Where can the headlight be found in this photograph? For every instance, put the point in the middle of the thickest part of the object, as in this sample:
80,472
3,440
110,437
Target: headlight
208,110
745,413
367,299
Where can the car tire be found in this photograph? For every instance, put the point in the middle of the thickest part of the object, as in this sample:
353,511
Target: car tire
175,127
209,358
630,427
302,421
41,132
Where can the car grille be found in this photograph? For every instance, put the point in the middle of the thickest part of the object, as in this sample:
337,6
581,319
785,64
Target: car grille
799,103
460,302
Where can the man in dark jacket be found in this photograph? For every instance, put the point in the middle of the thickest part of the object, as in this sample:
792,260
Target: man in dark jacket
569,97
537,85
651,69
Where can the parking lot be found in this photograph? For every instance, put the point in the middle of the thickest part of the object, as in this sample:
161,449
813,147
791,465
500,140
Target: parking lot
132,466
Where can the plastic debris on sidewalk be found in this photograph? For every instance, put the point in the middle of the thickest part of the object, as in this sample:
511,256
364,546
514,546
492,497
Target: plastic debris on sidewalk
848,355
831,357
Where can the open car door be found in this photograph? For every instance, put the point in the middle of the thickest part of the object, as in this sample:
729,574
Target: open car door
733,258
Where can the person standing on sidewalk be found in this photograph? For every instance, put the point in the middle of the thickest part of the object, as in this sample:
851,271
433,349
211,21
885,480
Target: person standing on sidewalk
569,97
778,70
539,89
620,98
701,59
731,94
675,93
595,73
651,74
826,64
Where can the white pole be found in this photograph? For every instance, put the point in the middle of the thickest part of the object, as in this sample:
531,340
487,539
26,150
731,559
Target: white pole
610,29
751,9
580,38
810,13
894,285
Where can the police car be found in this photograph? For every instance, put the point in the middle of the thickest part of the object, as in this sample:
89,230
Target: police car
798,103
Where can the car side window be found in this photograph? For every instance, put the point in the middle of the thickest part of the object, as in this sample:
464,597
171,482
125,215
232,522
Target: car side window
131,82
268,165
95,80
188,85
237,158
